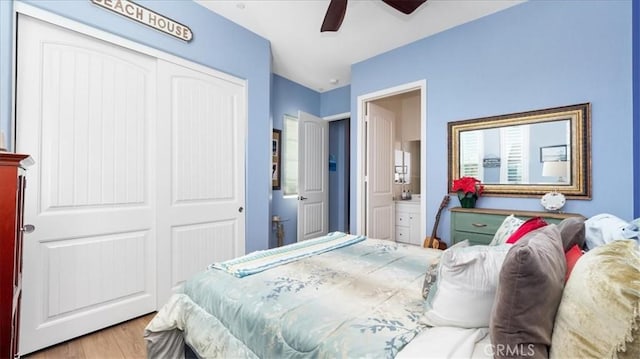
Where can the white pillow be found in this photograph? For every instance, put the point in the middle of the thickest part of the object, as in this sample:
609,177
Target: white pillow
602,229
465,286
432,269
506,229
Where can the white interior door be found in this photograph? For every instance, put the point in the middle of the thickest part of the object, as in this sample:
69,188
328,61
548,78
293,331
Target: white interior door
85,112
313,176
380,215
201,138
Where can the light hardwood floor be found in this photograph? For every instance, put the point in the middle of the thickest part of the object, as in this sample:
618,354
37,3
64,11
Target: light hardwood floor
119,341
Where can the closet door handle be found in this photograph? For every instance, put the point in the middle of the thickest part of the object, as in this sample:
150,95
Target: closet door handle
302,198
240,209
478,224
28,228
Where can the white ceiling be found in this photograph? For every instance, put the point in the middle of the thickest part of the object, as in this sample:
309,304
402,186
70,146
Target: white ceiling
301,53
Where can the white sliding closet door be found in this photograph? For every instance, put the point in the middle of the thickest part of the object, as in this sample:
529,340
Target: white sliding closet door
86,113
201,142
139,179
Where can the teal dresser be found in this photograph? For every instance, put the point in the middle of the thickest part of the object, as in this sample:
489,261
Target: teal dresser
478,225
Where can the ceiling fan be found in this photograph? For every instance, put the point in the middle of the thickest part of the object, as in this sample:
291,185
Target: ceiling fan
337,8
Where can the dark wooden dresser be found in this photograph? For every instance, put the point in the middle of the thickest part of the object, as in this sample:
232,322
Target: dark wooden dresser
12,184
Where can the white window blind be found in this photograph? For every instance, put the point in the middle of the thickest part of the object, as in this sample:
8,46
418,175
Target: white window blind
290,157
471,150
515,154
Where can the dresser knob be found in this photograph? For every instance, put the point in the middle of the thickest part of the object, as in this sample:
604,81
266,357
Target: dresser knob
28,228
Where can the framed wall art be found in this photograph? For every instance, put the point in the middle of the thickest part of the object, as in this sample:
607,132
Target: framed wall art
553,153
276,154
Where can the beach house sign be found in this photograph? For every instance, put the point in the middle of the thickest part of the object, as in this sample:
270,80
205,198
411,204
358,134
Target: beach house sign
148,17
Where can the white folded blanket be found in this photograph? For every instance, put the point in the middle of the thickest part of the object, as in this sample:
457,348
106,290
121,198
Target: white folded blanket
259,261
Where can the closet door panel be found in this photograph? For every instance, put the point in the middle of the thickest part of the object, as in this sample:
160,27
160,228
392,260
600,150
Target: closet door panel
202,127
85,111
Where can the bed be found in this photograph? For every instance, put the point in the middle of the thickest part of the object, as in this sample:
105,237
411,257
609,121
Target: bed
358,300
364,298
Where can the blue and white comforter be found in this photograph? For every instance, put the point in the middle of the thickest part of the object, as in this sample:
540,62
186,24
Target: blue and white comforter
359,301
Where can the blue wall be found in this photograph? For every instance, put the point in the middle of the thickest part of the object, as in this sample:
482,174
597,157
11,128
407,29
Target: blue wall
335,102
535,55
217,43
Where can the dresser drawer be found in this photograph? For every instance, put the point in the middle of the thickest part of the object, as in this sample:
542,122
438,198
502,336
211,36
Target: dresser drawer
474,238
477,223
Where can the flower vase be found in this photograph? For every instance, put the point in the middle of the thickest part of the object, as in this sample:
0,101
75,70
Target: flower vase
468,201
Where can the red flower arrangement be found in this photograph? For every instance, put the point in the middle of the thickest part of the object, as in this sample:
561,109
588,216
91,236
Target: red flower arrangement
468,189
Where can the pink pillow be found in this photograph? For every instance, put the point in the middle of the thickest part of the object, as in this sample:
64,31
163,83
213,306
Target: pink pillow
572,256
528,226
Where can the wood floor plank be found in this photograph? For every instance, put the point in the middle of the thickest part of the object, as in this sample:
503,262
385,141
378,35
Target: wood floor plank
124,340
128,338
101,345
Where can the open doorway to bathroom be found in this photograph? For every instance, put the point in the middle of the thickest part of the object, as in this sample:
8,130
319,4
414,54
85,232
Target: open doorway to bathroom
391,149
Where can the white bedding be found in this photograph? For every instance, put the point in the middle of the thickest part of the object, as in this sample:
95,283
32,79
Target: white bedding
449,342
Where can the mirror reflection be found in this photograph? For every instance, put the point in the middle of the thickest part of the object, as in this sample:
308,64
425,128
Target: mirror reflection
402,171
407,165
519,154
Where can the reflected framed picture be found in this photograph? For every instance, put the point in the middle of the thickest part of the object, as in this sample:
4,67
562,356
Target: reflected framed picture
553,153
276,154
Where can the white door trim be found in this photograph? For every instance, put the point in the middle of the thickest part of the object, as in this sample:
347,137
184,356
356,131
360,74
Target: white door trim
360,155
337,117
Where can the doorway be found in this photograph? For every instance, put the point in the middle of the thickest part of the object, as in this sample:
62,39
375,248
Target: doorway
378,185
339,164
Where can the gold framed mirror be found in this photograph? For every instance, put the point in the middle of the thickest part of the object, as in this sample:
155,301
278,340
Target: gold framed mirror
525,154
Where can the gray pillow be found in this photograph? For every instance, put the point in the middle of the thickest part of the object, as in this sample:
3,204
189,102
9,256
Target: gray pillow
528,295
572,232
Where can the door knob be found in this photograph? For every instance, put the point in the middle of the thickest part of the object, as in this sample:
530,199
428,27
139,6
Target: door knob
302,198
240,209
28,228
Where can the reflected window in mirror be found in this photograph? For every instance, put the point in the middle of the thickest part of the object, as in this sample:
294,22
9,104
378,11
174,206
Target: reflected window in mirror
514,140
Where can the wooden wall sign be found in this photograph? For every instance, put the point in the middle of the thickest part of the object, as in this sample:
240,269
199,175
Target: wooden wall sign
147,17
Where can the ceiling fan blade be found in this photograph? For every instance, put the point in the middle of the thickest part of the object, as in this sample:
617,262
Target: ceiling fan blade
334,16
405,6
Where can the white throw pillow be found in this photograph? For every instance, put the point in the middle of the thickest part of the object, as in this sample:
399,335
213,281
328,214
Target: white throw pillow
506,229
432,269
602,229
465,286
